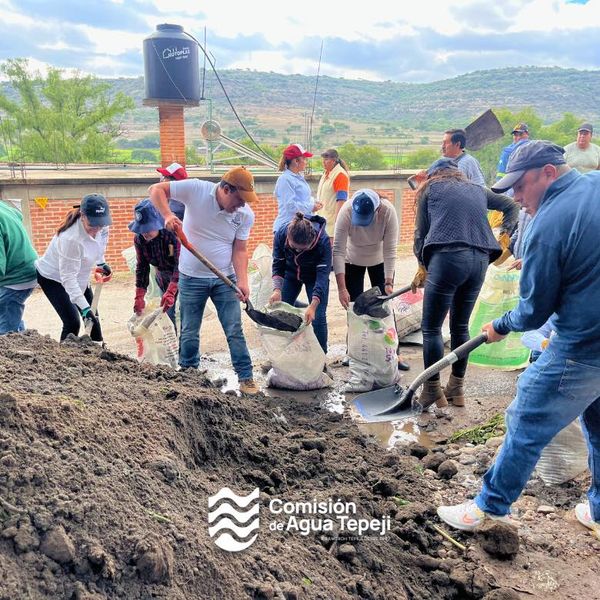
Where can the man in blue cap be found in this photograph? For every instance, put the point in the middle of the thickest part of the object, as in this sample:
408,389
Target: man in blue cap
155,246
561,274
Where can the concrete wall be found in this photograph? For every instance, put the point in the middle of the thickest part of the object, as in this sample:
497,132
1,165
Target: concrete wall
46,197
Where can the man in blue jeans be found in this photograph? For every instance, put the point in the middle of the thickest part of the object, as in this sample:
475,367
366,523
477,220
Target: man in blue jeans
217,222
561,274
17,269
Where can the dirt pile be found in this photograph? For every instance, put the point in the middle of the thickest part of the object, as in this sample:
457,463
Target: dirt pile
106,467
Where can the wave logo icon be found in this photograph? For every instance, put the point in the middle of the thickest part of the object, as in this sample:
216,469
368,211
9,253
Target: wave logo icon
235,519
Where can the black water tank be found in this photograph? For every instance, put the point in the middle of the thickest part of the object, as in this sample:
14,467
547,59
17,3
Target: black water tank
171,71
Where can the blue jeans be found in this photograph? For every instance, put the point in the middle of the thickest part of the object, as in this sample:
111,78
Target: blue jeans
551,393
12,305
193,295
289,293
453,282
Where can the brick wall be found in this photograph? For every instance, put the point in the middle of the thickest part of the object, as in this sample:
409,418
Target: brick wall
45,221
172,134
407,217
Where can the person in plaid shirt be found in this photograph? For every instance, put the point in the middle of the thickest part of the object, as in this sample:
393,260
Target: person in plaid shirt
156,246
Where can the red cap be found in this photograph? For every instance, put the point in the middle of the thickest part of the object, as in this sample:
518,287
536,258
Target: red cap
295,151
174,170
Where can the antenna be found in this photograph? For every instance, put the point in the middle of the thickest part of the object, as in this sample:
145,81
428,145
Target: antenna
312,114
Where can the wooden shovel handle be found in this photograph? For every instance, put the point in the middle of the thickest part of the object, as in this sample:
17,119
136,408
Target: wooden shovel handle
207,263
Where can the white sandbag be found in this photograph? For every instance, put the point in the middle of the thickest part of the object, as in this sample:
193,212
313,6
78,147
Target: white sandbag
297,358
408,312
283,381
372,345
155,338
565,457
260,276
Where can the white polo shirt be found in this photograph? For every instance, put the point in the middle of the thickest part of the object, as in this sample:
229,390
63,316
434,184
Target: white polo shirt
209,229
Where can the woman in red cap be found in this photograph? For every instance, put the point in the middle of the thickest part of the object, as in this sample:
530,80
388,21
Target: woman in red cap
291,190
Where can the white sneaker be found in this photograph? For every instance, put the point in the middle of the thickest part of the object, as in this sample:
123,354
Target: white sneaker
468,516
584,516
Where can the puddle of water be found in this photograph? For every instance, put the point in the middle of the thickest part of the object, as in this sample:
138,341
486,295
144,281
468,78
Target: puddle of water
397,432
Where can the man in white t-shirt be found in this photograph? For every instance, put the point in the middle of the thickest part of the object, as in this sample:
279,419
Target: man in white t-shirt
582,154
217,223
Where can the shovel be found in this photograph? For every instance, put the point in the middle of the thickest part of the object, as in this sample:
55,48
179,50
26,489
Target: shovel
395,402
94,306
277,319
484,130
371,302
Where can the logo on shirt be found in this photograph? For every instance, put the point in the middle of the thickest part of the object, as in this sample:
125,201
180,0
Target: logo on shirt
235,220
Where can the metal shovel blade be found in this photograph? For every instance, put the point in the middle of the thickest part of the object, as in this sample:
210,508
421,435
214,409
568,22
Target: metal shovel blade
371,302
277,319
394,402
386,404
484,130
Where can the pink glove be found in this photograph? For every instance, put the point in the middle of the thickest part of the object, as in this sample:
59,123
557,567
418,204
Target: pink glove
168,299
139,303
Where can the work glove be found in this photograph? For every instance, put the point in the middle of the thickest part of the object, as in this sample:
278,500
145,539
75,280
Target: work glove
168,299
419,279
89,318
504,241
103,272
139,303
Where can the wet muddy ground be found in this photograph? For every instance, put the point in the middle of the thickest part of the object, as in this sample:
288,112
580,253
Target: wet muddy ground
106,467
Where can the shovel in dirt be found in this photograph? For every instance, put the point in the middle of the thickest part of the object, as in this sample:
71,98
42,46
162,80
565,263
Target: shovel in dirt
395,402
94,306
371,302
277,319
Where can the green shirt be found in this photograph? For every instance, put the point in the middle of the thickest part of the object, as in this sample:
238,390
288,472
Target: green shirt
17,256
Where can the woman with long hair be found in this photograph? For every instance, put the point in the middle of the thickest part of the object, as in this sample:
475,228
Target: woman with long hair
454,245
291,189
302,257
63,272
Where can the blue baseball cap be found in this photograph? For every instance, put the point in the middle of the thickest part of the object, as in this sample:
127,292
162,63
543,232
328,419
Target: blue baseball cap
95,208
146,218
364,204
442,163
529,155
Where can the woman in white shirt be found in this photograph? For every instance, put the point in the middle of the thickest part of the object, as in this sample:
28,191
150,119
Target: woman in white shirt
64,270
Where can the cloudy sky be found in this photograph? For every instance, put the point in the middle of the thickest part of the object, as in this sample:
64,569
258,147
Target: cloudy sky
416,41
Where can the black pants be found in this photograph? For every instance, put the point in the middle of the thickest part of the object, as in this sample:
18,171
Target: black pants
67,311
453,283
355,279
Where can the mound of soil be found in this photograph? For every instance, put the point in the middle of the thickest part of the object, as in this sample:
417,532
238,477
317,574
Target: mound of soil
106,467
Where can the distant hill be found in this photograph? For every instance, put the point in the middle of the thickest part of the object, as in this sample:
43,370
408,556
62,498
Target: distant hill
396,117
426,106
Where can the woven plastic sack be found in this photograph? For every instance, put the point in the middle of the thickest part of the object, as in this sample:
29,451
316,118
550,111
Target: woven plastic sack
408,313
153,290
372,345
499,293
565,457
297,358
155,338
260,276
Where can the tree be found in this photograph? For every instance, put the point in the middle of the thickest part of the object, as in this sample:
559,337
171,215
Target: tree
363,158
58,119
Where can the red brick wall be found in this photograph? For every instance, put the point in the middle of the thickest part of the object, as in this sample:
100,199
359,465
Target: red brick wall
407,217
44,223
172,134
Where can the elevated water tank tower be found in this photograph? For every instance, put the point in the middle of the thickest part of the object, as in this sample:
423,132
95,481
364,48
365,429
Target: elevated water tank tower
171,82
